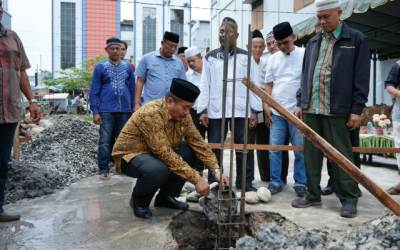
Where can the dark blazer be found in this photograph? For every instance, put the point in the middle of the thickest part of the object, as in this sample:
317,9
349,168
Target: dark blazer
350,72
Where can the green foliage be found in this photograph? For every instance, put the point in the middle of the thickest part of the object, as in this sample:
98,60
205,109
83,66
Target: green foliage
75,78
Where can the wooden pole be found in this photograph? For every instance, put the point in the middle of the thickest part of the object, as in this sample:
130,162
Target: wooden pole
330,152
266,147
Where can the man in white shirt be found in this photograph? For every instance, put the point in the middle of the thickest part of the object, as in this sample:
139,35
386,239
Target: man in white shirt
210,100
283,80
261,132
195,63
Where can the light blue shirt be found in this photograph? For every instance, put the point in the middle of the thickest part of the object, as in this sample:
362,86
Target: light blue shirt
158,72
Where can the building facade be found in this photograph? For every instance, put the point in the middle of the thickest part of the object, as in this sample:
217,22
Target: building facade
201,34
6,19
152,17
80,29
235,9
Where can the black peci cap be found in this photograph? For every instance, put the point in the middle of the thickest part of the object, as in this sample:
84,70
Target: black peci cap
170,36
184,90
282,30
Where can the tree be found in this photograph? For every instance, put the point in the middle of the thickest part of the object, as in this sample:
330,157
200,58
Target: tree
75,79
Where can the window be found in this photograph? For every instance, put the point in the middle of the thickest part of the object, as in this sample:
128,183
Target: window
149,30
177,24
68,35
257,15
299,4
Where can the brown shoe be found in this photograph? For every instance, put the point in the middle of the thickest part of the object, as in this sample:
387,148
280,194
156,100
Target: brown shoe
9,217
303,203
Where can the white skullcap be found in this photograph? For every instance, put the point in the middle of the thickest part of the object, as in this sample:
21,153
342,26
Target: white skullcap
326,4
192,51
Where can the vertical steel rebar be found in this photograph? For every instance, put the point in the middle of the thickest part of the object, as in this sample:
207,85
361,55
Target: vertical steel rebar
223,120
245,139
232,128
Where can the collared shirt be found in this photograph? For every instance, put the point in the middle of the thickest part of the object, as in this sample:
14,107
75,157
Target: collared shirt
210,98
151,129
320,94
195,78
13,61
284,71
112,88
158,72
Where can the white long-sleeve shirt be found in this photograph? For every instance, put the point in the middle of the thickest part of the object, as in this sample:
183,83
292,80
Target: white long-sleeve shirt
211,85
195,78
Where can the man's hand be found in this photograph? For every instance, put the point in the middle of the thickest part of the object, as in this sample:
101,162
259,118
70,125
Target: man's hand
253,121
138,105
354,121
299,113
34,112
204,120
221,178
202,187
97,119
267,116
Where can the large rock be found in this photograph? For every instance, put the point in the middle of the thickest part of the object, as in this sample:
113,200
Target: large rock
264,194
251,197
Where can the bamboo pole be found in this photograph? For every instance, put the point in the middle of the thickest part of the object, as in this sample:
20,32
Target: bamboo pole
330,152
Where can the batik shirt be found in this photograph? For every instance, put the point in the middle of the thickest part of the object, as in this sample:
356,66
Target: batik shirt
152,130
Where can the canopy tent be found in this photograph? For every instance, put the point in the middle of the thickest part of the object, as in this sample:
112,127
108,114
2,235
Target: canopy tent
378,19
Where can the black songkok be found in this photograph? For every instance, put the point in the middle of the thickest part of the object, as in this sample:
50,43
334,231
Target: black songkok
170,36
282,30
184,90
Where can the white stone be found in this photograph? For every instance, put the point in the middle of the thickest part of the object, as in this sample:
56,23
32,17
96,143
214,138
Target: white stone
45,123
193,196
264,194
251,197
188,188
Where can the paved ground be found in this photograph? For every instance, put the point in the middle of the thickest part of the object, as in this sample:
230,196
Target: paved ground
94,214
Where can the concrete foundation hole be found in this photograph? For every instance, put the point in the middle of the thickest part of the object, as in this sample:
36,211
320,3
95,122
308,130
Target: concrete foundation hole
266,230
192,230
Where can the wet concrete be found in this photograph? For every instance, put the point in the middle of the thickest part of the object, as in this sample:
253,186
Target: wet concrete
94,214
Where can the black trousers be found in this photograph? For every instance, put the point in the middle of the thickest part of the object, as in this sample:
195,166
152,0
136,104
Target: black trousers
152,174
196,121
7,131
262,138
355,141
214,136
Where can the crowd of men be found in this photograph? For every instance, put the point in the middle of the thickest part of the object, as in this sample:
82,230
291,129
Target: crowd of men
154,119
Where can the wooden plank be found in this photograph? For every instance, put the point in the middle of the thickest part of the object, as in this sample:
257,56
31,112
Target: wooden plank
330,152
301,148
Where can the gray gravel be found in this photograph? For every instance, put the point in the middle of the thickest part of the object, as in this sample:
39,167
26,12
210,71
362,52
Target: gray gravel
380,234
210,205
59,156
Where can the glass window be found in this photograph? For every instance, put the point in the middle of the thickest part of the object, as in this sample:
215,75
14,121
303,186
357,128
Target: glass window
68,36
177,24
149,30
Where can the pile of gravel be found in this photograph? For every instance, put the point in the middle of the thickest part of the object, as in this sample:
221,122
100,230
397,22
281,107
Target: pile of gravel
58,156
382,233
